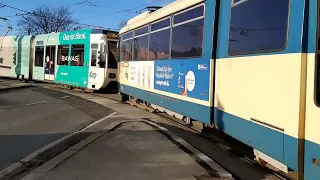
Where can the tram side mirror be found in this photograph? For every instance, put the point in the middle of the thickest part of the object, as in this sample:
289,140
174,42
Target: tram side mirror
102,49
102,56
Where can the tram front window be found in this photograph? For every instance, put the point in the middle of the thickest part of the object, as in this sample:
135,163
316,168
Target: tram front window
112,55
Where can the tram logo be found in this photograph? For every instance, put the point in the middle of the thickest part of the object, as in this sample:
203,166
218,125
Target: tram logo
69,58
77,36
202,66
126,75
64,74
93,75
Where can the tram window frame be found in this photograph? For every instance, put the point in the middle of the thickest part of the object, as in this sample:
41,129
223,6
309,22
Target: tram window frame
186,11
152,30
141,31
135,52
271,37
317,60
187,21
157,30
122,40
317,79
82,54
94,51
78,47
127,35
38,62
159,22
112,57
59,59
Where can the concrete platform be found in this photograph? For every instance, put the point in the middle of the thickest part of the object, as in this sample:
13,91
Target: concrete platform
131,149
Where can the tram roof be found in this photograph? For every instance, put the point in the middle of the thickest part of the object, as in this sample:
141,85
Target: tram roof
93,31
147,17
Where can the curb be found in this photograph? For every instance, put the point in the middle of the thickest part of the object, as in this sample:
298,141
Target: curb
70,152
18,166
2,89
195,153
218,170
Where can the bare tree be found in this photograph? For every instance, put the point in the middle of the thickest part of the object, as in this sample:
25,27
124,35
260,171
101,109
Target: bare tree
45,19
122,24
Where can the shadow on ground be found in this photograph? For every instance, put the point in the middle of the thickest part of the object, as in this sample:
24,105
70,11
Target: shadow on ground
238,166
10,153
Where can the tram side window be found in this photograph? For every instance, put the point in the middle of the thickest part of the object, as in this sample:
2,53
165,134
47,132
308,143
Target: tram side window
258,26
77,55
159,40
317,82
126,50
187,33
126,46
39,54
63,53
141,51
317,65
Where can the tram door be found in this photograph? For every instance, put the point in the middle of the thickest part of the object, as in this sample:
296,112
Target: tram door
49,62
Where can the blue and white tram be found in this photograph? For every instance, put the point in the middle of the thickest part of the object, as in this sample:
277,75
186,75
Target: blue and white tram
247,67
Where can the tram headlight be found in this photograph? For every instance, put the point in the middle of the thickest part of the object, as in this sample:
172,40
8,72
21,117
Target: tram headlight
112,75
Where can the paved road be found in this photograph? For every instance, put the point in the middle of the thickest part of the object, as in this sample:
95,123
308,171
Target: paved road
30,118
99,152
133,150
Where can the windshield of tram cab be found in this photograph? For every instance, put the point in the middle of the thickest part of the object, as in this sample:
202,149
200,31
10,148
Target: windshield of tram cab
112,54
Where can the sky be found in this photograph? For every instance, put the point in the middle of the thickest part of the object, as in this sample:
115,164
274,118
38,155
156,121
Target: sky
105,13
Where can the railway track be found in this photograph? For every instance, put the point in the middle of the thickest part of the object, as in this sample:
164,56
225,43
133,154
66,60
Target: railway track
220,139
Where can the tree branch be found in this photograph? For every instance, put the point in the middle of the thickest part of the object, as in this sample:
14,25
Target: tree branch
44,19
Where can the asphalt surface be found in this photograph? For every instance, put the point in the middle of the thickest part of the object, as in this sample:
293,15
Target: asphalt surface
238,166
31,118
134,150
